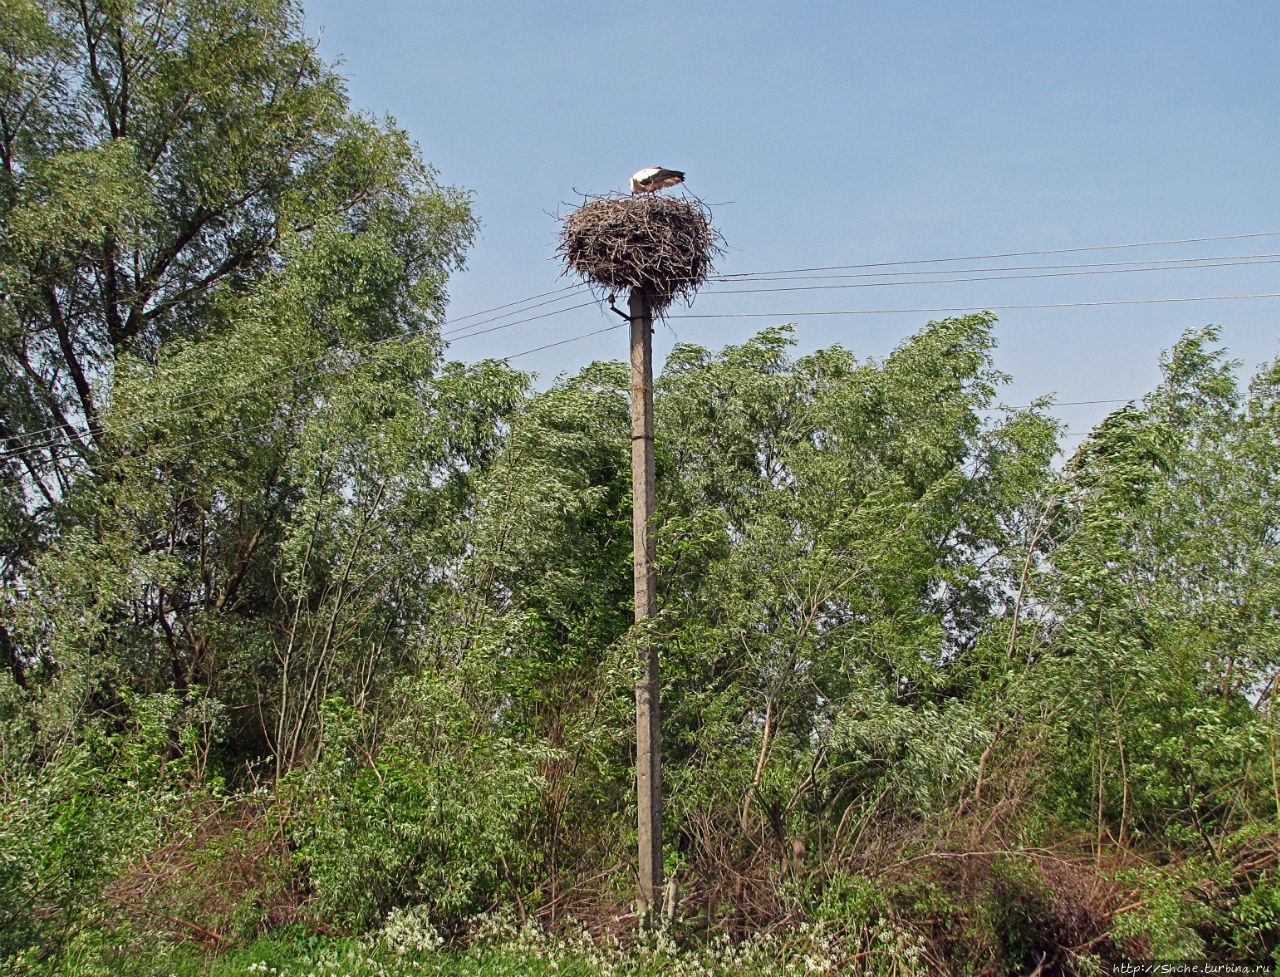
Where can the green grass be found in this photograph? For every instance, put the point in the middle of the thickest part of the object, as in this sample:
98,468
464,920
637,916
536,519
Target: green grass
308,957
412,948
289,955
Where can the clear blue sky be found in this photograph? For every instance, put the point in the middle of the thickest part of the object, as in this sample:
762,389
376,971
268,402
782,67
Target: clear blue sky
848,133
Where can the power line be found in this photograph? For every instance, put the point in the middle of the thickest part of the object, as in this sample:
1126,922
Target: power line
1019,254
1189,262
562,342
508,325
1203,298
470,330
293,377
968,308
1066,403
985,278
507,305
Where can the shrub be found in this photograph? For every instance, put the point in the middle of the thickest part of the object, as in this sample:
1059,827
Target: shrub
73,811
428,817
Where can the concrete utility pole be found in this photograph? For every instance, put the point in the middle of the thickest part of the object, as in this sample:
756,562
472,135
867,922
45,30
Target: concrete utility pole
648,726
658,249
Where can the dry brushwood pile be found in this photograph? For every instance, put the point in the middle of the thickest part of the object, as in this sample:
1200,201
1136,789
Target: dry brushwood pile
660,246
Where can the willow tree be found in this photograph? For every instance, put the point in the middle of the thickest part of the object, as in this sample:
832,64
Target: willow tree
201,243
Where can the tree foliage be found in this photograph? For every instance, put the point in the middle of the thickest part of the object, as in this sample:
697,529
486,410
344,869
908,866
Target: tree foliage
969,704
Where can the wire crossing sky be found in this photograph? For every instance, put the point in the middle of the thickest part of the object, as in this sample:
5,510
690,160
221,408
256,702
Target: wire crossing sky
832,137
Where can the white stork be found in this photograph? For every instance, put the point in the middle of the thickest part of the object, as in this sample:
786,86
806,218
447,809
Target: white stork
654,178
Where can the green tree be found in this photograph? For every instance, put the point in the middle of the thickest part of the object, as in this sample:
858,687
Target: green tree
1160,659
547,605
826,568
232,460
174,174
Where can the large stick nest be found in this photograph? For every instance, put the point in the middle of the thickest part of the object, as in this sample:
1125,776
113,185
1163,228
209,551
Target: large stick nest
660,246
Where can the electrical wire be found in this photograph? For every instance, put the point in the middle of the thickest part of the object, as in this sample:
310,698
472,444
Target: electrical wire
1021,254
986,278
1041,271
1067,403
469,331
969,308
508,325
6,455
1189,262
562,342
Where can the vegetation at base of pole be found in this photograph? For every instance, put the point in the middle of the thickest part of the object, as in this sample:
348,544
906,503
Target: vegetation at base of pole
317,650
661,246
